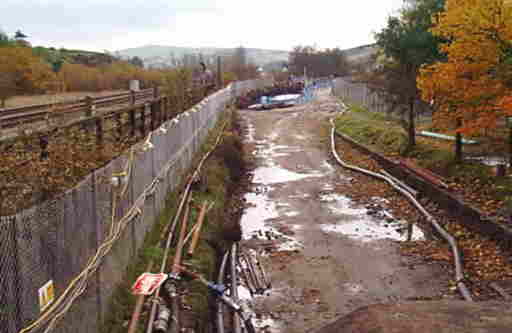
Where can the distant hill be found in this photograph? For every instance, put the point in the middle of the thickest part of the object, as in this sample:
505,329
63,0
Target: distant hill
360,54
161,55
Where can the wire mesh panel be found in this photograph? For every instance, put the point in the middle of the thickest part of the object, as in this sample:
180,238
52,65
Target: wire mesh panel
119,197
52,243
10,314
143,168
38,259
107,274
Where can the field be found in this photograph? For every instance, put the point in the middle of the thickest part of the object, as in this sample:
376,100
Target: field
60,97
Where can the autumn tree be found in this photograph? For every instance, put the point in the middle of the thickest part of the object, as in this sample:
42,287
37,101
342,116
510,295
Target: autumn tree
21,72
317,63
406,44
471,89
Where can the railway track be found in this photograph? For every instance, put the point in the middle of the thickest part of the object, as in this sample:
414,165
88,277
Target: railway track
26,115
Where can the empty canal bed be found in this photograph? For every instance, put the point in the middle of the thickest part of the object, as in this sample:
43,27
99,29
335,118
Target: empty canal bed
325,253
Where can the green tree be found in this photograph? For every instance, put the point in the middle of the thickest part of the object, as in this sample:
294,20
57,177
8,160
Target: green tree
318,63
5,40
407,44
19,35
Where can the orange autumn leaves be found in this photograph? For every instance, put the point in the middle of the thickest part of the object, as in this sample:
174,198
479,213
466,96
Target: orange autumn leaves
471,86
21,71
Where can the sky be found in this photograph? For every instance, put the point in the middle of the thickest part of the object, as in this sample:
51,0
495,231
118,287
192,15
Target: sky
99,25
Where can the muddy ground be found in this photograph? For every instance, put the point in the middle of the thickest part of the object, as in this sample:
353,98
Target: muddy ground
327,254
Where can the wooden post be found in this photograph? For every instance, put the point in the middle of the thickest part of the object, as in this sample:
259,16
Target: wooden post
155,91
133,122
509,123
119,121
458,143
90,106
132,97
200,220
164,107
99,131
153,109
143,120
175,324
43,143
161,115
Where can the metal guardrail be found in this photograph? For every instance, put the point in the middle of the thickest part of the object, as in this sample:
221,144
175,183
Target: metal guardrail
13,117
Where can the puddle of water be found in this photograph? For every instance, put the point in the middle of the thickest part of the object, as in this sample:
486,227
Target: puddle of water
275,175
253,222
300,196
379,200
341,205
489,160
357,225
267,324
368,230
328,187
353,288
327,166
259,210
291,214
290,244
271,150
251,130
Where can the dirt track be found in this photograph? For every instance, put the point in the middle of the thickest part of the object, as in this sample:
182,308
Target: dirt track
326,255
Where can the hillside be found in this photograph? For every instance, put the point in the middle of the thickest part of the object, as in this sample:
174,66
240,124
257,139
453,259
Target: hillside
360,53
161,55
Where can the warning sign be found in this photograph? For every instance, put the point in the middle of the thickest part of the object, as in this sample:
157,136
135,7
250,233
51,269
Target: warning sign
147,283
46,295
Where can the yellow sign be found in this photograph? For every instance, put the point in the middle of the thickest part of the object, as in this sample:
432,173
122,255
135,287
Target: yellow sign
46,295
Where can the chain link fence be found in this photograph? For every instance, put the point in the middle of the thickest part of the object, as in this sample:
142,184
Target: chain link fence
360,94
43,249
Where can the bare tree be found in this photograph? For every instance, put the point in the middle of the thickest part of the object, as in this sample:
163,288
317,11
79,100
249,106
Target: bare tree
318,63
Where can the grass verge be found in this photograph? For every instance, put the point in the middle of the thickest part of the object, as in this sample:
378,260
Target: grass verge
473,181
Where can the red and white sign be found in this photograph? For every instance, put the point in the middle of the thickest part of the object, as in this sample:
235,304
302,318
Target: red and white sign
147,283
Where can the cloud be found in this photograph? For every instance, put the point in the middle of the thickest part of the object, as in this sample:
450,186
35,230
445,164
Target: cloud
116,24
83,22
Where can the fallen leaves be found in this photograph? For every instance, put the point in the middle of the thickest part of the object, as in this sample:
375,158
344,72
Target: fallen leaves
483,259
